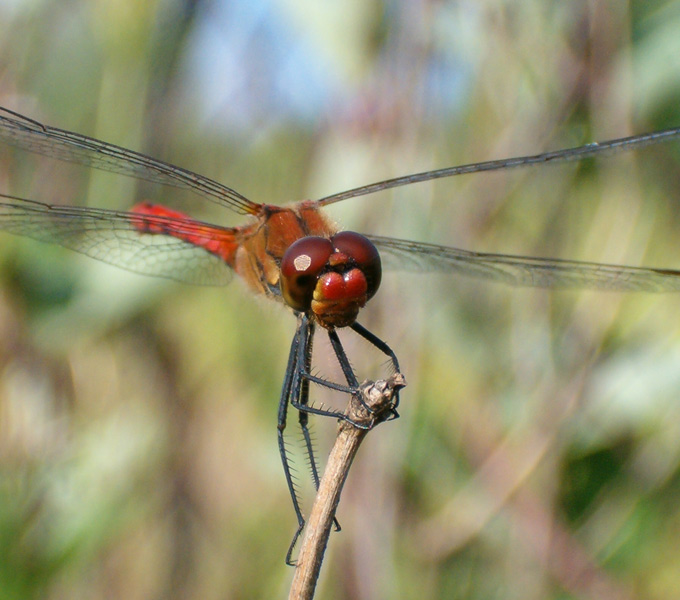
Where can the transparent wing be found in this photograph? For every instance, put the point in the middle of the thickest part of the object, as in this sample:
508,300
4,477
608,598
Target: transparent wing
30,135
523,270
115,238
595,149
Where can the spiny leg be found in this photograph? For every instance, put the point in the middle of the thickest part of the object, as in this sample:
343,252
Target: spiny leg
303,417
341,355
352,386
296,391
291,385
385,349
303,400
377,342
346,367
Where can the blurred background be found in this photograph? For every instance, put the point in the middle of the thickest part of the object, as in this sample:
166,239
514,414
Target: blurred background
538,453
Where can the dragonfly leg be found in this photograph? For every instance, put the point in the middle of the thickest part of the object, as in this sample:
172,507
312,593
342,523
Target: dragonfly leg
291,381
303,400
323,412
385,349
296,392
352,386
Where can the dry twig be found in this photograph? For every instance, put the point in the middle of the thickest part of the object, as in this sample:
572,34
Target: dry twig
378,396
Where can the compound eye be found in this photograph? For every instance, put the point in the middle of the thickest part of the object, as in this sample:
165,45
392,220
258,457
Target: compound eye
300,267
364,254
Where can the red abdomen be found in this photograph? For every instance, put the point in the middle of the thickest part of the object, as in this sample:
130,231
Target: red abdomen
157,219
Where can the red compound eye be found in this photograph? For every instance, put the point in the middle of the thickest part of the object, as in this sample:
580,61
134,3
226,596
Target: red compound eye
364,254
300,267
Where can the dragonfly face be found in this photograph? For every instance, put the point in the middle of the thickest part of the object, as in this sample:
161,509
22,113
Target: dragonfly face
331,277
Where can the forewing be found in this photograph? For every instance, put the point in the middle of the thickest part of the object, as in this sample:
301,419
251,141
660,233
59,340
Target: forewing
405,255
35,137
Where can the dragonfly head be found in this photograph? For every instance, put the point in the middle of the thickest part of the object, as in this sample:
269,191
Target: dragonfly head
330,278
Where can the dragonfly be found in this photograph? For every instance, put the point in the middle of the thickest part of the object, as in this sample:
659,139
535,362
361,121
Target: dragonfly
292,254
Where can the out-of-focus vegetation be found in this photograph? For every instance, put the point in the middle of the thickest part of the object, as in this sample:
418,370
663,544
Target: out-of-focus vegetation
538,453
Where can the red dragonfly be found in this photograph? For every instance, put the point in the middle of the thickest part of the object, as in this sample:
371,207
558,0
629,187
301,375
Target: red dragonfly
292,254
